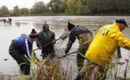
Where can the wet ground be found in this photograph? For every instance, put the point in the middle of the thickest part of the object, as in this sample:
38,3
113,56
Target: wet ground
57,24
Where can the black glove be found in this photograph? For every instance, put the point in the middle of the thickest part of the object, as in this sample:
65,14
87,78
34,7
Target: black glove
66,51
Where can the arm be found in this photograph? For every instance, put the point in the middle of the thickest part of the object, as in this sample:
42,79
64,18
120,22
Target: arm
39,41
72,39
26,49
30,51
53,38
122,41
35,57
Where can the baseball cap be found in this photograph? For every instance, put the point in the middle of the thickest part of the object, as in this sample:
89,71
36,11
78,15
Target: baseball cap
122,21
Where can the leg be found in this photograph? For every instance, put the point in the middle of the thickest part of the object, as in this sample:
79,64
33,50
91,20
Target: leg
118,52
23,62
80,61
101,73
24,66
51,51
44,53
86,71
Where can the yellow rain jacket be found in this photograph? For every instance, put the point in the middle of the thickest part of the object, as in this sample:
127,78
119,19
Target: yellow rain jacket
102,48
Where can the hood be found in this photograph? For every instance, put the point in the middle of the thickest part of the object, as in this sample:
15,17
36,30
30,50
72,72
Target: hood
44,25
70,26
26,37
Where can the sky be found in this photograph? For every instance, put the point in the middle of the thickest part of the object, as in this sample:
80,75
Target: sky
21,3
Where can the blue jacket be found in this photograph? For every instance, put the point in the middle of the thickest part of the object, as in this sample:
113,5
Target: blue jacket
25,44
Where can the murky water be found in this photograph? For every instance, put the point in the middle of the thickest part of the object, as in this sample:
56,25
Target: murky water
57,24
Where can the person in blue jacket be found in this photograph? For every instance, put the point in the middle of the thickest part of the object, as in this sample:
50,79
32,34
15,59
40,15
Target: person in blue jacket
21,50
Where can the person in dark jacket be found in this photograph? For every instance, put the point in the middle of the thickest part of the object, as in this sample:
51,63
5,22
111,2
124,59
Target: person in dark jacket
21,50
45,37
9,20
84,36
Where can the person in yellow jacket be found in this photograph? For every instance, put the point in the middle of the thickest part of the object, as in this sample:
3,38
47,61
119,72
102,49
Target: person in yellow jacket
101,50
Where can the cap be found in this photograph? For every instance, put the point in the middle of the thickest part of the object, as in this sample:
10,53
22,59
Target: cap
33,34
122,21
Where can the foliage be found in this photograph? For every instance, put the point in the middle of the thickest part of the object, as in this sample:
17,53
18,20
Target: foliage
72,7
24,11
4,11
16,11
57,6
109,6
38,8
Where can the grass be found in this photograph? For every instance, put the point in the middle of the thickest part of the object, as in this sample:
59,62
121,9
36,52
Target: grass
51,69
54,71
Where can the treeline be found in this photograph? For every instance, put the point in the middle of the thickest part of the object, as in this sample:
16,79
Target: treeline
71,7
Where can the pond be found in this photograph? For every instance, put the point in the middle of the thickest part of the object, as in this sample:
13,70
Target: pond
57,24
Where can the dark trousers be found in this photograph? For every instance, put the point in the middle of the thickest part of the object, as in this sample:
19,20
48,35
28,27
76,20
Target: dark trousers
80,59
48,51
80,62
20,58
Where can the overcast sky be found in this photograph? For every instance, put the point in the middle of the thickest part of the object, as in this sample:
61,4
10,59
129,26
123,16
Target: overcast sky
21,3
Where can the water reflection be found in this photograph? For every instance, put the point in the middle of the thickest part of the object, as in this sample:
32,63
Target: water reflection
18,24
38,25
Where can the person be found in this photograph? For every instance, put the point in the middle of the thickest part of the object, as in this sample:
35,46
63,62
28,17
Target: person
101,50
84,36
46,37
21,50
9,20
4,20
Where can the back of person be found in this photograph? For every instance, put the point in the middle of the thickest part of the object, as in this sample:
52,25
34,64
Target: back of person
101,50
82,34
18,45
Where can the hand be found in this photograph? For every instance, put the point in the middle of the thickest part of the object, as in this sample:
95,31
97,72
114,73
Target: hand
37,59
54,41
40,48
63,55
38,64
41,55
